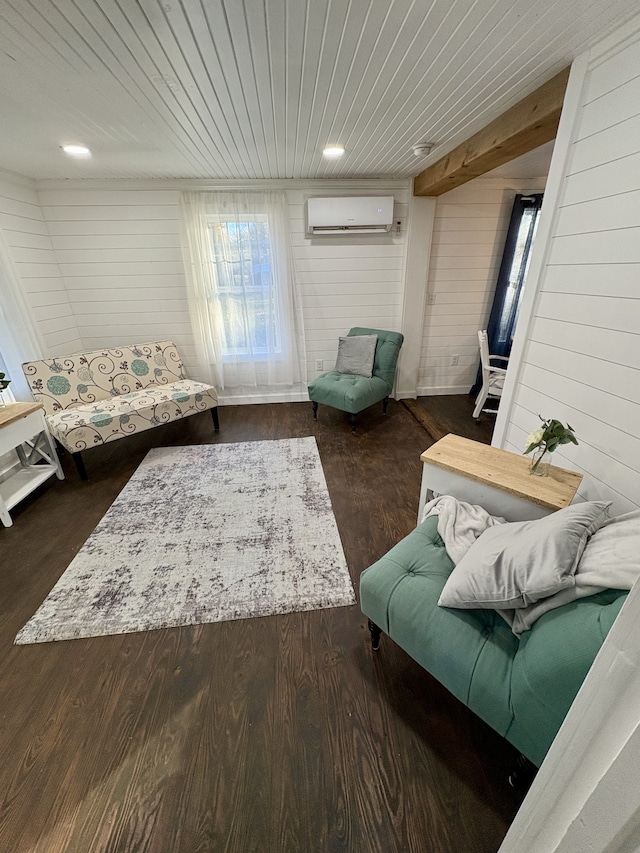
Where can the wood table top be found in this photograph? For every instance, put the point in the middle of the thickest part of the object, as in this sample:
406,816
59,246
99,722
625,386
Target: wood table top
503,470
11,412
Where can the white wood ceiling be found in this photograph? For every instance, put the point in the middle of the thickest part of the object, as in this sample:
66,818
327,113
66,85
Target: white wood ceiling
249,89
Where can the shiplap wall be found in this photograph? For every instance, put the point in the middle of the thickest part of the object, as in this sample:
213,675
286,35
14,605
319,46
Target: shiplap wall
581,361
348,281
469,231
119,252
25,231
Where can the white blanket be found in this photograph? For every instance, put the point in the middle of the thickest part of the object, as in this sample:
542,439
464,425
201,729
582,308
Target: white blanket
459,523
611,559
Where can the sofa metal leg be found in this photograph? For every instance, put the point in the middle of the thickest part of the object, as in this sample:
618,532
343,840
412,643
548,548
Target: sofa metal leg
375,635
353,419
77,458
315,410
214,416
385,405
522,774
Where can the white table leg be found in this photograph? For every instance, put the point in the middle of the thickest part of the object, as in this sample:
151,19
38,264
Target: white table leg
4,514
22,456
24,430
53,454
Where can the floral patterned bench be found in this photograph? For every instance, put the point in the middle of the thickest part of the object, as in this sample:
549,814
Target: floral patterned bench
95,397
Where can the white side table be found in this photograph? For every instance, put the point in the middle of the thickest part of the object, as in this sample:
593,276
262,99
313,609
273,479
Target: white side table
24,429
495,479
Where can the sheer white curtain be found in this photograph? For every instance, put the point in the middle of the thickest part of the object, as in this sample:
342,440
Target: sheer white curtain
242,296
19,338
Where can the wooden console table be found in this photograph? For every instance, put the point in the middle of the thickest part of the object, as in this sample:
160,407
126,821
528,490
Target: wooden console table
23,425
497,480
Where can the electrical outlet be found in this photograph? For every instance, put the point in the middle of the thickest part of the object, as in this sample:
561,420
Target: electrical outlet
454,360
319,365
431,299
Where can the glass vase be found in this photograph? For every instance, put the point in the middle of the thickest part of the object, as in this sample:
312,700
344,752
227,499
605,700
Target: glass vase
540,462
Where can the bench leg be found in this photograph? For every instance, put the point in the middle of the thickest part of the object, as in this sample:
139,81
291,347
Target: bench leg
522,774
385,405
214,415
353,419
315,410
77,458
375,635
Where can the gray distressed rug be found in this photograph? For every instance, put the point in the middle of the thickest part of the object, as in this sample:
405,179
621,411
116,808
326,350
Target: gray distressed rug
200,534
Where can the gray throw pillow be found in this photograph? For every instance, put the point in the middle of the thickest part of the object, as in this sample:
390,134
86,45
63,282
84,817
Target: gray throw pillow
512,565
356,353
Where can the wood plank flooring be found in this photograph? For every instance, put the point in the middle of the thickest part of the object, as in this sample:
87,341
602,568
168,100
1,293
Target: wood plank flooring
276,734
443,414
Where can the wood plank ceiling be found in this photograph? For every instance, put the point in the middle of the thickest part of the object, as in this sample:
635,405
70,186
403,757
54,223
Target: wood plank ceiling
250,89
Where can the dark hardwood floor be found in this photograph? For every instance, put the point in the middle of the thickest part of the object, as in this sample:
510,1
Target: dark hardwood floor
443,414
279,734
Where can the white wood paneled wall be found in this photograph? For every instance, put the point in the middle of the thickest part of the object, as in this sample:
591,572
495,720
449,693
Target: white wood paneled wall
119,253
581,361
585,795
469,231
348,281
26,233
118,247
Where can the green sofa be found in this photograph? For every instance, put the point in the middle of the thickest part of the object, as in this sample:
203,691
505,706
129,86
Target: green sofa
521,686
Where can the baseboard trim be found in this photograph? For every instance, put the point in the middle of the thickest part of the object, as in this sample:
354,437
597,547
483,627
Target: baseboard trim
253,399
432,391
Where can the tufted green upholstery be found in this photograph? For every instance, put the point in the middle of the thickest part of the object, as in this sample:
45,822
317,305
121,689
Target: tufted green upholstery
354,393
521,686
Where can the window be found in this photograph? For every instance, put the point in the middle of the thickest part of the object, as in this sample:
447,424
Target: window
527,211
247,293
242,298
511,277
513,272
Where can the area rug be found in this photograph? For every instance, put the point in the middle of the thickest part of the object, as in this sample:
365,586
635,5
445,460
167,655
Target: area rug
205,533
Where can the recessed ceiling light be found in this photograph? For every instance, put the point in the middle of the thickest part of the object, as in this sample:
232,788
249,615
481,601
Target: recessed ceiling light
333,151
76,150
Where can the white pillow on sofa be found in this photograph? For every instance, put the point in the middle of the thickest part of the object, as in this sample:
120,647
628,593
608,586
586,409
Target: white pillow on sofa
512,565
611,560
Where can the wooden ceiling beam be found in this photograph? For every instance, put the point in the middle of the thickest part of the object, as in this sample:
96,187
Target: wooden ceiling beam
525,126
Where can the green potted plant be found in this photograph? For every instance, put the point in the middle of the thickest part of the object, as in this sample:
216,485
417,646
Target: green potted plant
544,441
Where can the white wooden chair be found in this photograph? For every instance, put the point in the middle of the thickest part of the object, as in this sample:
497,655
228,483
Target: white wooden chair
492,377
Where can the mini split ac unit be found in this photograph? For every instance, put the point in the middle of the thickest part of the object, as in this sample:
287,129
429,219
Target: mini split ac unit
349,215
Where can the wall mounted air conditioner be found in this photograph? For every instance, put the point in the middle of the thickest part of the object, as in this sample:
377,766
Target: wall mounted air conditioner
349,215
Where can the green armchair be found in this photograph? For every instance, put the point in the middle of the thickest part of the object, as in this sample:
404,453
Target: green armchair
351,392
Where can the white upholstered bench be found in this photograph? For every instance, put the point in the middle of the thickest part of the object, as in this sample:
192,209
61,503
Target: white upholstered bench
95,397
